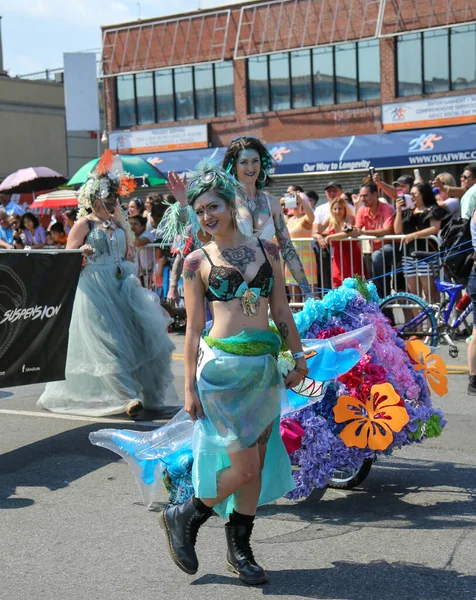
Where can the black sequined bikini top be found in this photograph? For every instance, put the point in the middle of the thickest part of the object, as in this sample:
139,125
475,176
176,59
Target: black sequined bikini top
227,283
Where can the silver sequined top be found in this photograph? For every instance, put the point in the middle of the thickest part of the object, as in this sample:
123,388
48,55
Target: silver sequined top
105,253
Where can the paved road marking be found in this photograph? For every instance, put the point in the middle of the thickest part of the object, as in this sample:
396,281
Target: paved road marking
32,413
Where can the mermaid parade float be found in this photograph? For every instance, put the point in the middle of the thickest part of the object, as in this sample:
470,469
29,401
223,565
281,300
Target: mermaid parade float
367,394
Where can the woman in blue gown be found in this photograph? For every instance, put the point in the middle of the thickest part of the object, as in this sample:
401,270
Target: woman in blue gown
119,353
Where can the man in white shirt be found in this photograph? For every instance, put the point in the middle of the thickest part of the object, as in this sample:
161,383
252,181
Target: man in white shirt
322,212
10,207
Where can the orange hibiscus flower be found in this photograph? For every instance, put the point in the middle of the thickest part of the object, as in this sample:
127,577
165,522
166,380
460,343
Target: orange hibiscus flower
371,421
432,365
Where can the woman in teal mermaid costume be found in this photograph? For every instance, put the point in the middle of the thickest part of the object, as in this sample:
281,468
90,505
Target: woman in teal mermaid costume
233,387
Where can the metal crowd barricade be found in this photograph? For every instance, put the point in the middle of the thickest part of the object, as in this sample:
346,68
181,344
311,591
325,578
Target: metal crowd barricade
381,260
154,267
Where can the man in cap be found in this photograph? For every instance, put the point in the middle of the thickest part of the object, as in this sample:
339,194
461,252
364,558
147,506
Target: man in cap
322,212
400,188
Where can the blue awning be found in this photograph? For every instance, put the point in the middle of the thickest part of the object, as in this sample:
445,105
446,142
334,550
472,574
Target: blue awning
400,149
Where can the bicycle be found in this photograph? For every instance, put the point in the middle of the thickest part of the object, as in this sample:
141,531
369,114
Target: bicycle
432,323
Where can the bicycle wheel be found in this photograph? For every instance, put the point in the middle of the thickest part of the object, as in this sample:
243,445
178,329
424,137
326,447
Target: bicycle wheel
411,317
346,479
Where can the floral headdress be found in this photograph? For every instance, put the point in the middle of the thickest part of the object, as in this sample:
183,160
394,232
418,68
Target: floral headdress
105,181
207,176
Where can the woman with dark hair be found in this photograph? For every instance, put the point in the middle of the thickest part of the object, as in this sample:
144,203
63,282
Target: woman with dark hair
259,213
34,234
70,217
233,387
418,223
135,207
119,354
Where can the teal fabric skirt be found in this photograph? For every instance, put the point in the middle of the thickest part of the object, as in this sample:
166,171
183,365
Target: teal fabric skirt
241,395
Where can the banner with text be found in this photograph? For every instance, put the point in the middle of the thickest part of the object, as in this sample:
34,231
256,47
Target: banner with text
431,112
163,139
36,301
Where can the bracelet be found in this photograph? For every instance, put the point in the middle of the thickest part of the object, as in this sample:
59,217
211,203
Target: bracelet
301,370
298,355
182,208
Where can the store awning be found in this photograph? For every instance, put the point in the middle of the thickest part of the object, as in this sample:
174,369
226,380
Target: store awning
400,149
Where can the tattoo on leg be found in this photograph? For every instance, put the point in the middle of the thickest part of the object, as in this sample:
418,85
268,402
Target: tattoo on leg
264,437
239,257
191,265
283,330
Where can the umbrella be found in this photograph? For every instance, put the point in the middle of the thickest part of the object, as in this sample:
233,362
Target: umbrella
56,199
31,179
135,165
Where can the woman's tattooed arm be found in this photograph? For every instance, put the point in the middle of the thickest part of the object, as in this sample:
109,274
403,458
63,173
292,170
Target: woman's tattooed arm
192,264
290,256
283,330
272,250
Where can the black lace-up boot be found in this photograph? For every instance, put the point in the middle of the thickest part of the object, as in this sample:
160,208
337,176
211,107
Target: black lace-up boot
472,385
181,524
240,559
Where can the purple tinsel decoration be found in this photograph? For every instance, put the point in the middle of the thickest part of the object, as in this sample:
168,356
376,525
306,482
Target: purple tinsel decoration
323,451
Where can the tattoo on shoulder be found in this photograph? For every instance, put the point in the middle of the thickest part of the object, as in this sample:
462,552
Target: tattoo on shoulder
283,330
272,250
191,265
281,223
239,257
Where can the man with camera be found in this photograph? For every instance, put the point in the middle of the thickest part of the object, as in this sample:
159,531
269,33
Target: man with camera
376,219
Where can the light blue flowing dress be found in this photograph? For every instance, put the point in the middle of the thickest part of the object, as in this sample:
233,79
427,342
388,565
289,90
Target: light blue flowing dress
118,348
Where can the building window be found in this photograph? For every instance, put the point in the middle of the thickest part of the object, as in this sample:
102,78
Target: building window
346,73
301,79
409,64
258,84
224,92
279,80
145,98
369,70
180,94
316,77
126,114
463,57
323,76
436,61
184,106
164,96
204,95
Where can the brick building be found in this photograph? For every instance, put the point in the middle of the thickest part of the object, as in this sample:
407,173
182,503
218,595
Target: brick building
329,85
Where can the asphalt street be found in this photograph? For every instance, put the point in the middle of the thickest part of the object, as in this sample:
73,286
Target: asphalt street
72,525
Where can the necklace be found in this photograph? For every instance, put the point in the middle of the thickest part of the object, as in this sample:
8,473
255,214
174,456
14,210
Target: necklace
106,223
251,202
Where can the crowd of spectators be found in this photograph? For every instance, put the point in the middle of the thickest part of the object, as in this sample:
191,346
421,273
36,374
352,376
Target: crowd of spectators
414,210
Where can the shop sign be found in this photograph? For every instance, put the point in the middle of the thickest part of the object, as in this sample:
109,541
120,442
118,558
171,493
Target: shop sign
431,112
163,139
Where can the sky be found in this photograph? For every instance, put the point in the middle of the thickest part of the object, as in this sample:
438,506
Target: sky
35,33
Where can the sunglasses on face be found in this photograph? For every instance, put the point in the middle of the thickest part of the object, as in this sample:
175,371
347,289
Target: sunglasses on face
465,177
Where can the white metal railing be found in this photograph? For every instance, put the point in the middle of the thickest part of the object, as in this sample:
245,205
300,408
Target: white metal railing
381,260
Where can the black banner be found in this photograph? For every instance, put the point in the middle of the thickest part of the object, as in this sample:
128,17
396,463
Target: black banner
36,301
